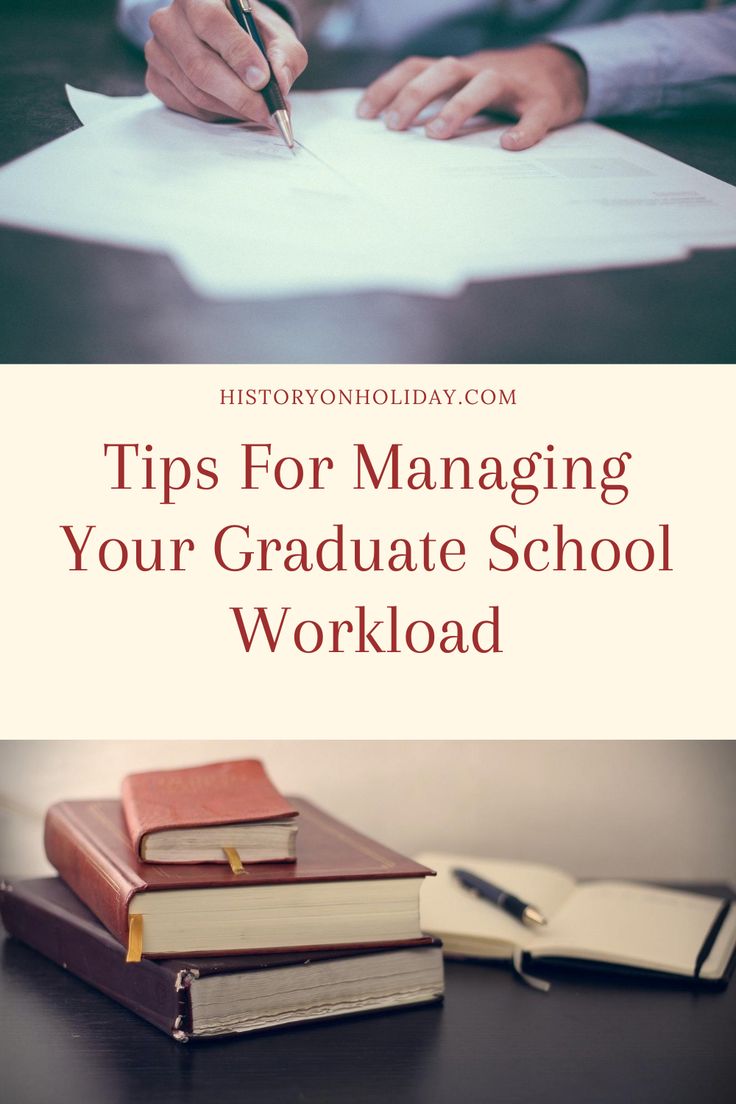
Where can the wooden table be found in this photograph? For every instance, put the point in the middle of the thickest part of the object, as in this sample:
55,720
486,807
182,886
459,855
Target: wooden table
590,1040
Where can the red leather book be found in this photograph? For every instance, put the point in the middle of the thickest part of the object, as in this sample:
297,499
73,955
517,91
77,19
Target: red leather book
201,998
191,814
344,889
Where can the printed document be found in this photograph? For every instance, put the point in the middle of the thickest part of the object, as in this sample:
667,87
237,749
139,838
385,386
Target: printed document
358,207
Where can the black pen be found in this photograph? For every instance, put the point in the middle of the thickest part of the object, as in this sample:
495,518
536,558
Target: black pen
271,93
521,910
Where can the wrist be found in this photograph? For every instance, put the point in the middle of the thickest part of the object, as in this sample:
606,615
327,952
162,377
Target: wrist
571,75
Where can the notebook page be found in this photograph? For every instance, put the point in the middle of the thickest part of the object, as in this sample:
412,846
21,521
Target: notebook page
469,925
628,924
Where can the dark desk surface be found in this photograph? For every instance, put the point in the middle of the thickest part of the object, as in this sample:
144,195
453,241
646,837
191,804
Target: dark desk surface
588,1041
68,301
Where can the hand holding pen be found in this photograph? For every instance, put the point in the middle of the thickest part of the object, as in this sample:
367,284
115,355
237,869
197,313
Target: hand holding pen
201,62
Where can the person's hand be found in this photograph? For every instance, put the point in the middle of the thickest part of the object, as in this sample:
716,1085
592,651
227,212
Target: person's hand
201,62
542,85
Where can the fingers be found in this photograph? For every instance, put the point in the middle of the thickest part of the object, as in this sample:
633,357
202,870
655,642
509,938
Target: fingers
214,25
436,80
170,95
535,121
207,75
486,89
379,95
538,84
164,72
199,49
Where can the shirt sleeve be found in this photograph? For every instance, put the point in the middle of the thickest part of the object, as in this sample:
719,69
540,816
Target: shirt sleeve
133,16
657,61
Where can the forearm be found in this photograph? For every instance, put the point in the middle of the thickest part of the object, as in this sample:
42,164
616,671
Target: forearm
652,62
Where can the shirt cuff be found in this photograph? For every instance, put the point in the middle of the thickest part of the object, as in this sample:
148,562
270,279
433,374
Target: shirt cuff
626,68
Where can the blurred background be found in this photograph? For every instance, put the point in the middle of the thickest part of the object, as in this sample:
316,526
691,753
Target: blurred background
638,809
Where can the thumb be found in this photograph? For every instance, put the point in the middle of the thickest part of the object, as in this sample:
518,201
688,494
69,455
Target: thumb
535,121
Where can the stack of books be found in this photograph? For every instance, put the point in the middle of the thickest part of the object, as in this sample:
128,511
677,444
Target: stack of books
211,905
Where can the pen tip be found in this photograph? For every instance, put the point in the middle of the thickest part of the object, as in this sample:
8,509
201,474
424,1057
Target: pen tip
533,916
283,122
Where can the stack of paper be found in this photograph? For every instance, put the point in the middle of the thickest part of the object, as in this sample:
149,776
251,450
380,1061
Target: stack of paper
357,206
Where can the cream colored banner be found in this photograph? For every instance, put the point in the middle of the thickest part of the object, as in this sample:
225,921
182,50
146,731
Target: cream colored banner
609,651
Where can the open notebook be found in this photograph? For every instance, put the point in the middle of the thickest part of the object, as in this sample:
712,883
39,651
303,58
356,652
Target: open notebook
615,924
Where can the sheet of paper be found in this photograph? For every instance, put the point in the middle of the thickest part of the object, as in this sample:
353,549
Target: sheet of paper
582,185
94,107
358,207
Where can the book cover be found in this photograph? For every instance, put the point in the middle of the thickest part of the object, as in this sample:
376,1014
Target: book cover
88,843
233,792
46,915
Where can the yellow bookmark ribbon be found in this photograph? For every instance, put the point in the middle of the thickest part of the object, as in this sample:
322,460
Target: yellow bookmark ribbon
234,859
135,938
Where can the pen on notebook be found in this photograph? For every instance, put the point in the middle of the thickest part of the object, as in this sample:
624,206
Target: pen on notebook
521,910
243,12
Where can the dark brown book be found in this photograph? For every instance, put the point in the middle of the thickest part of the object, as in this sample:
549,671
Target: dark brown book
219,812
201,998
343,890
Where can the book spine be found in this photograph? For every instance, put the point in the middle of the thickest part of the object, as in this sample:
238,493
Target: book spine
88,872
133,823
157,994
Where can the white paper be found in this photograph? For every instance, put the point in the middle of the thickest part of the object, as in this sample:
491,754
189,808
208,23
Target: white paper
358,207
93,107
